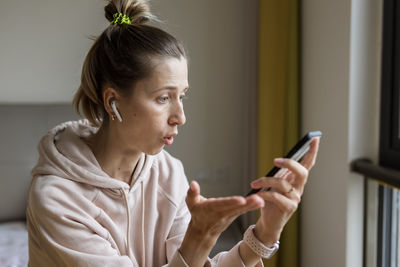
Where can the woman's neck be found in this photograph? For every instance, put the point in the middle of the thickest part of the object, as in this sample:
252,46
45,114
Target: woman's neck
112,155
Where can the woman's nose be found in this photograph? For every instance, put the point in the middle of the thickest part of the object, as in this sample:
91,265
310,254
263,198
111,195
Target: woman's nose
177,116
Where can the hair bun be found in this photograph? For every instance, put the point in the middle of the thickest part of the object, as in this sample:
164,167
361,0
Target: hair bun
137,10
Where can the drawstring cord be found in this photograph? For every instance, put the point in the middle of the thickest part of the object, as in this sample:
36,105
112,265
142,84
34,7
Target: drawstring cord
128,238
143,243
128,232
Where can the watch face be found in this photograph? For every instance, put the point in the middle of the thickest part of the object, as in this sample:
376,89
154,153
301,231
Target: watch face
274,249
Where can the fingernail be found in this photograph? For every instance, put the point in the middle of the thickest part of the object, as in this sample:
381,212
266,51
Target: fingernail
279,160
192,186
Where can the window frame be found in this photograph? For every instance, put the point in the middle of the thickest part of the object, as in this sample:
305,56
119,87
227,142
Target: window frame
387,231
389,148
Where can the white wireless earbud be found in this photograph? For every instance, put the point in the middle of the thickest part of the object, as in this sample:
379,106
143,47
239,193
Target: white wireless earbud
116,111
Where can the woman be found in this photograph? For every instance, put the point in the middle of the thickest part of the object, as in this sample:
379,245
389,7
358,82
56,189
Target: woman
105,193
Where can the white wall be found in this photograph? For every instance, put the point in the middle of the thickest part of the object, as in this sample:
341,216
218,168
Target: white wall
20,133
340,83
43,45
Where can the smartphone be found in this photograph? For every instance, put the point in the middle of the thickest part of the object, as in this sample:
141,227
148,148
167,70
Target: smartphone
296,153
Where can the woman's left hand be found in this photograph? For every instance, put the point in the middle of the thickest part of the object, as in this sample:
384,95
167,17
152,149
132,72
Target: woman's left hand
284,197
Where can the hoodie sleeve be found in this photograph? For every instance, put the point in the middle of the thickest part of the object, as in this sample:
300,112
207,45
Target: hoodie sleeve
230,258
223,259
61,234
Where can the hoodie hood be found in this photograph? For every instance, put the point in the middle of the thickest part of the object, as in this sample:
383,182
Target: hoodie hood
63,153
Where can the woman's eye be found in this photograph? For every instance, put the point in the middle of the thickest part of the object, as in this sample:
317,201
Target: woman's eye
163,99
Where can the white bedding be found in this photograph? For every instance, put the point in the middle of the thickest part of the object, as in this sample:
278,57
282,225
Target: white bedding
13,244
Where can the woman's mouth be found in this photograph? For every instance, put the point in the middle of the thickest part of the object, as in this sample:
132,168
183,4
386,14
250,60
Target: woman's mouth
168,140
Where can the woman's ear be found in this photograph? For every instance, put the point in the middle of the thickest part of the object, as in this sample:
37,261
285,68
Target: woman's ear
110,98
116,112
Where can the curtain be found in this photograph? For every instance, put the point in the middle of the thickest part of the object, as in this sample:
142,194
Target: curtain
278,102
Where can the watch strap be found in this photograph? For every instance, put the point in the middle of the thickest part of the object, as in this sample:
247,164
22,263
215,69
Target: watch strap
257,246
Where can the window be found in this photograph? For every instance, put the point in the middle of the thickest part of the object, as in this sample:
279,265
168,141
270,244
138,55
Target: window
390,97
382,193
388,209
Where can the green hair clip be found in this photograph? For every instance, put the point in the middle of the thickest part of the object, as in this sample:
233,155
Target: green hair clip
121,19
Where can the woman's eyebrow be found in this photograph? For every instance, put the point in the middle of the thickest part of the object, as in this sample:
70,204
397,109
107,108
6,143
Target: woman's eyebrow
170,87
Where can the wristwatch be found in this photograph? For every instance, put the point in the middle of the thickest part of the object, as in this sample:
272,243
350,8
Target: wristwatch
257,246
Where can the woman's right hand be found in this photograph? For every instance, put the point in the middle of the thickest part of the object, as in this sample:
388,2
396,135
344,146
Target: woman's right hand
210,217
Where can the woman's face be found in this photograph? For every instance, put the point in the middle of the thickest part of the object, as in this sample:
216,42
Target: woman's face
153,112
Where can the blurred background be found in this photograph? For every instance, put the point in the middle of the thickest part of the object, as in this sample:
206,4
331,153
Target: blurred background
261,73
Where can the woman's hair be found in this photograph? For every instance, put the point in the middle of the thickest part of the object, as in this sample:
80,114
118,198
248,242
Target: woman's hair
121,56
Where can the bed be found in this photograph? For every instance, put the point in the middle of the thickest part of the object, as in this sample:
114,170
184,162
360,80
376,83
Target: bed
13,244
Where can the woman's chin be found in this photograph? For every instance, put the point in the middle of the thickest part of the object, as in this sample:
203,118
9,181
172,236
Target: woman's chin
154,151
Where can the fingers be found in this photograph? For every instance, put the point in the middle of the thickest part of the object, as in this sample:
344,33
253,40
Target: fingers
278,184
300,172
297,177
254,202
309,159
193,194
284,203
234,205
223,205
215,214
226,203
195,187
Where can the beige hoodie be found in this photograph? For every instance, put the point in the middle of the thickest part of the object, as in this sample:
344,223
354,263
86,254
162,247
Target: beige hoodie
77,215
